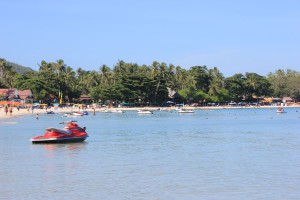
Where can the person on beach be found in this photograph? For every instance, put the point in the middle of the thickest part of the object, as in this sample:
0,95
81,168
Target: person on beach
6,110
10,111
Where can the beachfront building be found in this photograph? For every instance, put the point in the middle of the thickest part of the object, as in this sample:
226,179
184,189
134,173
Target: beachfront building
287,100
7,94
84,98
279,101
25,96
12,96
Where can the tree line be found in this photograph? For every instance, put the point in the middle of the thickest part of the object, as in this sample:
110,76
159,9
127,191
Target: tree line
133,83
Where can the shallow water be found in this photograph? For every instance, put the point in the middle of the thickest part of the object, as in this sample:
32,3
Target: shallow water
211,154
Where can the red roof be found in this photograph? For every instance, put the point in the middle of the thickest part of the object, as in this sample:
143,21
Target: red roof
23,94
7,92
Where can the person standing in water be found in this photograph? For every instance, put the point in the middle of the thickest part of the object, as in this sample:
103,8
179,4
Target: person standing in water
10,111
37,116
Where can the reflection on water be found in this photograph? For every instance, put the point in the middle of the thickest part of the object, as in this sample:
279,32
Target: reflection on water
73,147
211,154
57,149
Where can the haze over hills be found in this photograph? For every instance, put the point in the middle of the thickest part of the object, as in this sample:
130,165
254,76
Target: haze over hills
19,68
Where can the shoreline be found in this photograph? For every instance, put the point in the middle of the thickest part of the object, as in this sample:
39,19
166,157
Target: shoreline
24,112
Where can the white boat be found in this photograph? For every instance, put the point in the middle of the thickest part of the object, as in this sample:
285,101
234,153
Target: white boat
280,110
144,111
72,114
77,113
184,110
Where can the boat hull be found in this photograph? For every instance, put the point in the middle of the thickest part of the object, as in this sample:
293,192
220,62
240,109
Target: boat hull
58,140
144,112
280,111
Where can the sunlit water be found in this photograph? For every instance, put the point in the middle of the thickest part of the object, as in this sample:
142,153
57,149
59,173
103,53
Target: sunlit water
211,154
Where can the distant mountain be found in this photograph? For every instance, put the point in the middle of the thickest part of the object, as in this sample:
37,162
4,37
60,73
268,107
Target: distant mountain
19,68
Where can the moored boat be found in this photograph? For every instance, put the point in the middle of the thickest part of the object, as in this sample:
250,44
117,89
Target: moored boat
85,112
73,114
184,110
77,113
144,111
280,110
70,133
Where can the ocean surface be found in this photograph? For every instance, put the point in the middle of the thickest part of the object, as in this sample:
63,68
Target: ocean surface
210,154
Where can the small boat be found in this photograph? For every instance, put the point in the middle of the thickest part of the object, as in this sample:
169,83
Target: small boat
77,113
73,114
50,112
70,133
184,110
85,112
280,110
144,111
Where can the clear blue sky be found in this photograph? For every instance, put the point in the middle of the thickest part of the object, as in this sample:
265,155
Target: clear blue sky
236,36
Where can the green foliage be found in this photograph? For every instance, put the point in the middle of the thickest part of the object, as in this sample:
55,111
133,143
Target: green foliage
257,85
147,85
236,86
285,83
201,74
200,96
7,74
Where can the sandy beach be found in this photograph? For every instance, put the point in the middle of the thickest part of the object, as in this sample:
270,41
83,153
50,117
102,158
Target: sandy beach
22,112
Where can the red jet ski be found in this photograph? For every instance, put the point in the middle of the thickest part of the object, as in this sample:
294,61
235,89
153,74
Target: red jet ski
70,133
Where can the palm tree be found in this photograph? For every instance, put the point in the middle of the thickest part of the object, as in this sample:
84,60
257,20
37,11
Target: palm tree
154,68
81,76
2,67
216,81
105,72
119,69
179,76
144,69
92,79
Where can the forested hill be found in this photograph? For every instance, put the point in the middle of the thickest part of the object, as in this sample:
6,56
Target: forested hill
19,68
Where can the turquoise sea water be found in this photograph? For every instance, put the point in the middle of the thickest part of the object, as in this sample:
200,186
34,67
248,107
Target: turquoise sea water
211,154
